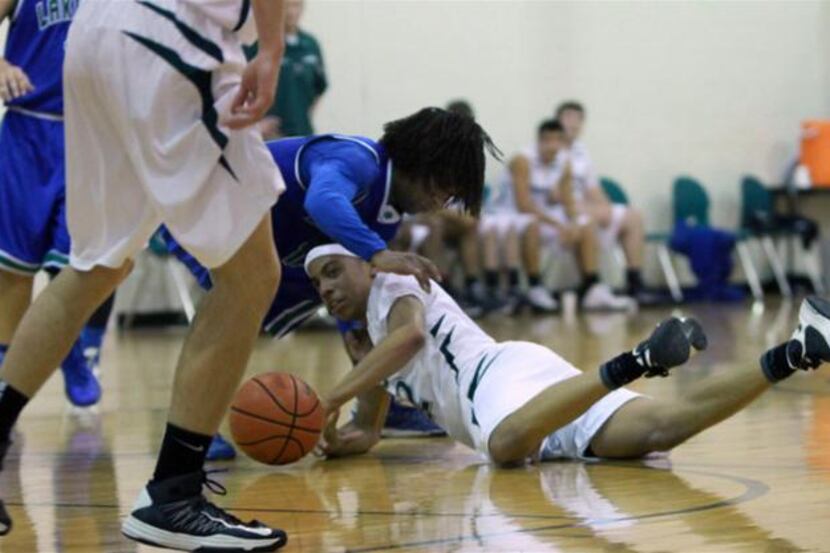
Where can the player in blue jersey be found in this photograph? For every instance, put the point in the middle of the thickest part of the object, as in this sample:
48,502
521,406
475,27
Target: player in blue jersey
33,232
354,190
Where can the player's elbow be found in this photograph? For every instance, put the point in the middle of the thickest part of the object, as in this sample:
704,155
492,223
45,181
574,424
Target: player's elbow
315,206
416,337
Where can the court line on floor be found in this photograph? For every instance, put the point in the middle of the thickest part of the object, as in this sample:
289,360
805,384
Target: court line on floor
753,490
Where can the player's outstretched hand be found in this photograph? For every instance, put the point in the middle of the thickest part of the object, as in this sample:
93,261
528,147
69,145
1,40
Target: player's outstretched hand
13,82
255,94
345,441
405,263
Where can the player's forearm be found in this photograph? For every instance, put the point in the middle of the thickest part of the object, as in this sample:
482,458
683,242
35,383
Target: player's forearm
567,197
531,209
383,361
372,407
269,16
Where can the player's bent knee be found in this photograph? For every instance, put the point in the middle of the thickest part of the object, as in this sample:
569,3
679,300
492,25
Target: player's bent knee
506,448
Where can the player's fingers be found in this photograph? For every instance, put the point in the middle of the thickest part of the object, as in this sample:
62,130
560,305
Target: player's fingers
240,120
432,269
14,88
423,279
240,97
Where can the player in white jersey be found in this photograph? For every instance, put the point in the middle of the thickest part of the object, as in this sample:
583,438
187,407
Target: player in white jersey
516,400
536,186
160,109
616,223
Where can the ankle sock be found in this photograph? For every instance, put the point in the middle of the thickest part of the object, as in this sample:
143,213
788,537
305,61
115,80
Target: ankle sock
776,364
621,370
589,280
182,452
12,403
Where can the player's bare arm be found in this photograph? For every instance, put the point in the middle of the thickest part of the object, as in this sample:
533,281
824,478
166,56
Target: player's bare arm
13,81
259,80
406,338
520,172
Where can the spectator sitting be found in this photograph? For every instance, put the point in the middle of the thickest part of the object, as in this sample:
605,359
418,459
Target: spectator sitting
543,188
614,222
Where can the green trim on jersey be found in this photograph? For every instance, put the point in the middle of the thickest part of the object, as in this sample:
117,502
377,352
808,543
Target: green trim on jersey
481,370
55,259
202,80
243,14
8,263
193,37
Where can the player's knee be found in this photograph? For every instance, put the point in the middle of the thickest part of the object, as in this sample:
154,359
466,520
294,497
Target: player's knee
505,447
662,435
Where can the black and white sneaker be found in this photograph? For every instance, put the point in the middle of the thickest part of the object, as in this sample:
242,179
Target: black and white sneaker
174,514
670,345
5,519
809,346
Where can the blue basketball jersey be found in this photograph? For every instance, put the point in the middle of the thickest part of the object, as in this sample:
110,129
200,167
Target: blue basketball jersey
36,43
296,232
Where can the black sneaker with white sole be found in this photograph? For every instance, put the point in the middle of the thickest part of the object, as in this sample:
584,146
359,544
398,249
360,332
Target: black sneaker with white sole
173,513
670,345
809,346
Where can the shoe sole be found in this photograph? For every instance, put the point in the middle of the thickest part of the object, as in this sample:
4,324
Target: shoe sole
5,520
669,345
814,341
139,531
694,332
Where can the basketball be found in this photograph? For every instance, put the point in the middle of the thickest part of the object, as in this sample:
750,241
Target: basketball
276,418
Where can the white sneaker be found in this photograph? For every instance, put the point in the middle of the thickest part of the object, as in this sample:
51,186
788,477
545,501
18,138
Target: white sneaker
812,335
540,299
599,297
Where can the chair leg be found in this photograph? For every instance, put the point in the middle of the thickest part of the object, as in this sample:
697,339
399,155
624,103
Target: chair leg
750,272
777,267
664,256
181,289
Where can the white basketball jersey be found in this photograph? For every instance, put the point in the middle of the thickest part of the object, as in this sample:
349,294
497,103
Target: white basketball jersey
583,176
230,14
543,177
455,344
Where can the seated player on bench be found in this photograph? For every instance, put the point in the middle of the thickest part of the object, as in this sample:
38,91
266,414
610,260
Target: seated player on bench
518,400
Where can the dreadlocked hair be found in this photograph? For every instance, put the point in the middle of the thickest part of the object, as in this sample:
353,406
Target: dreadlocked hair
444,149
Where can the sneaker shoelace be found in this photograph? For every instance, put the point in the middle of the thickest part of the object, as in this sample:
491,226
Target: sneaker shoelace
201,515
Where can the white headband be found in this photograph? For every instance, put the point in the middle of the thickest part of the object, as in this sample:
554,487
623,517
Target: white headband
323,251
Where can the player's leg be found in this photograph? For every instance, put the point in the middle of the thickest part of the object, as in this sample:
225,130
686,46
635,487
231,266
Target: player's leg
80,383
528,240
24,216
595,294
520,434
648,425
632,238
50,326
92,336
15,297
223,334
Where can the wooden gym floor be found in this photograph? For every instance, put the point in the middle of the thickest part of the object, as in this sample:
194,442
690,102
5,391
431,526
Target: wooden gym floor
760,482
